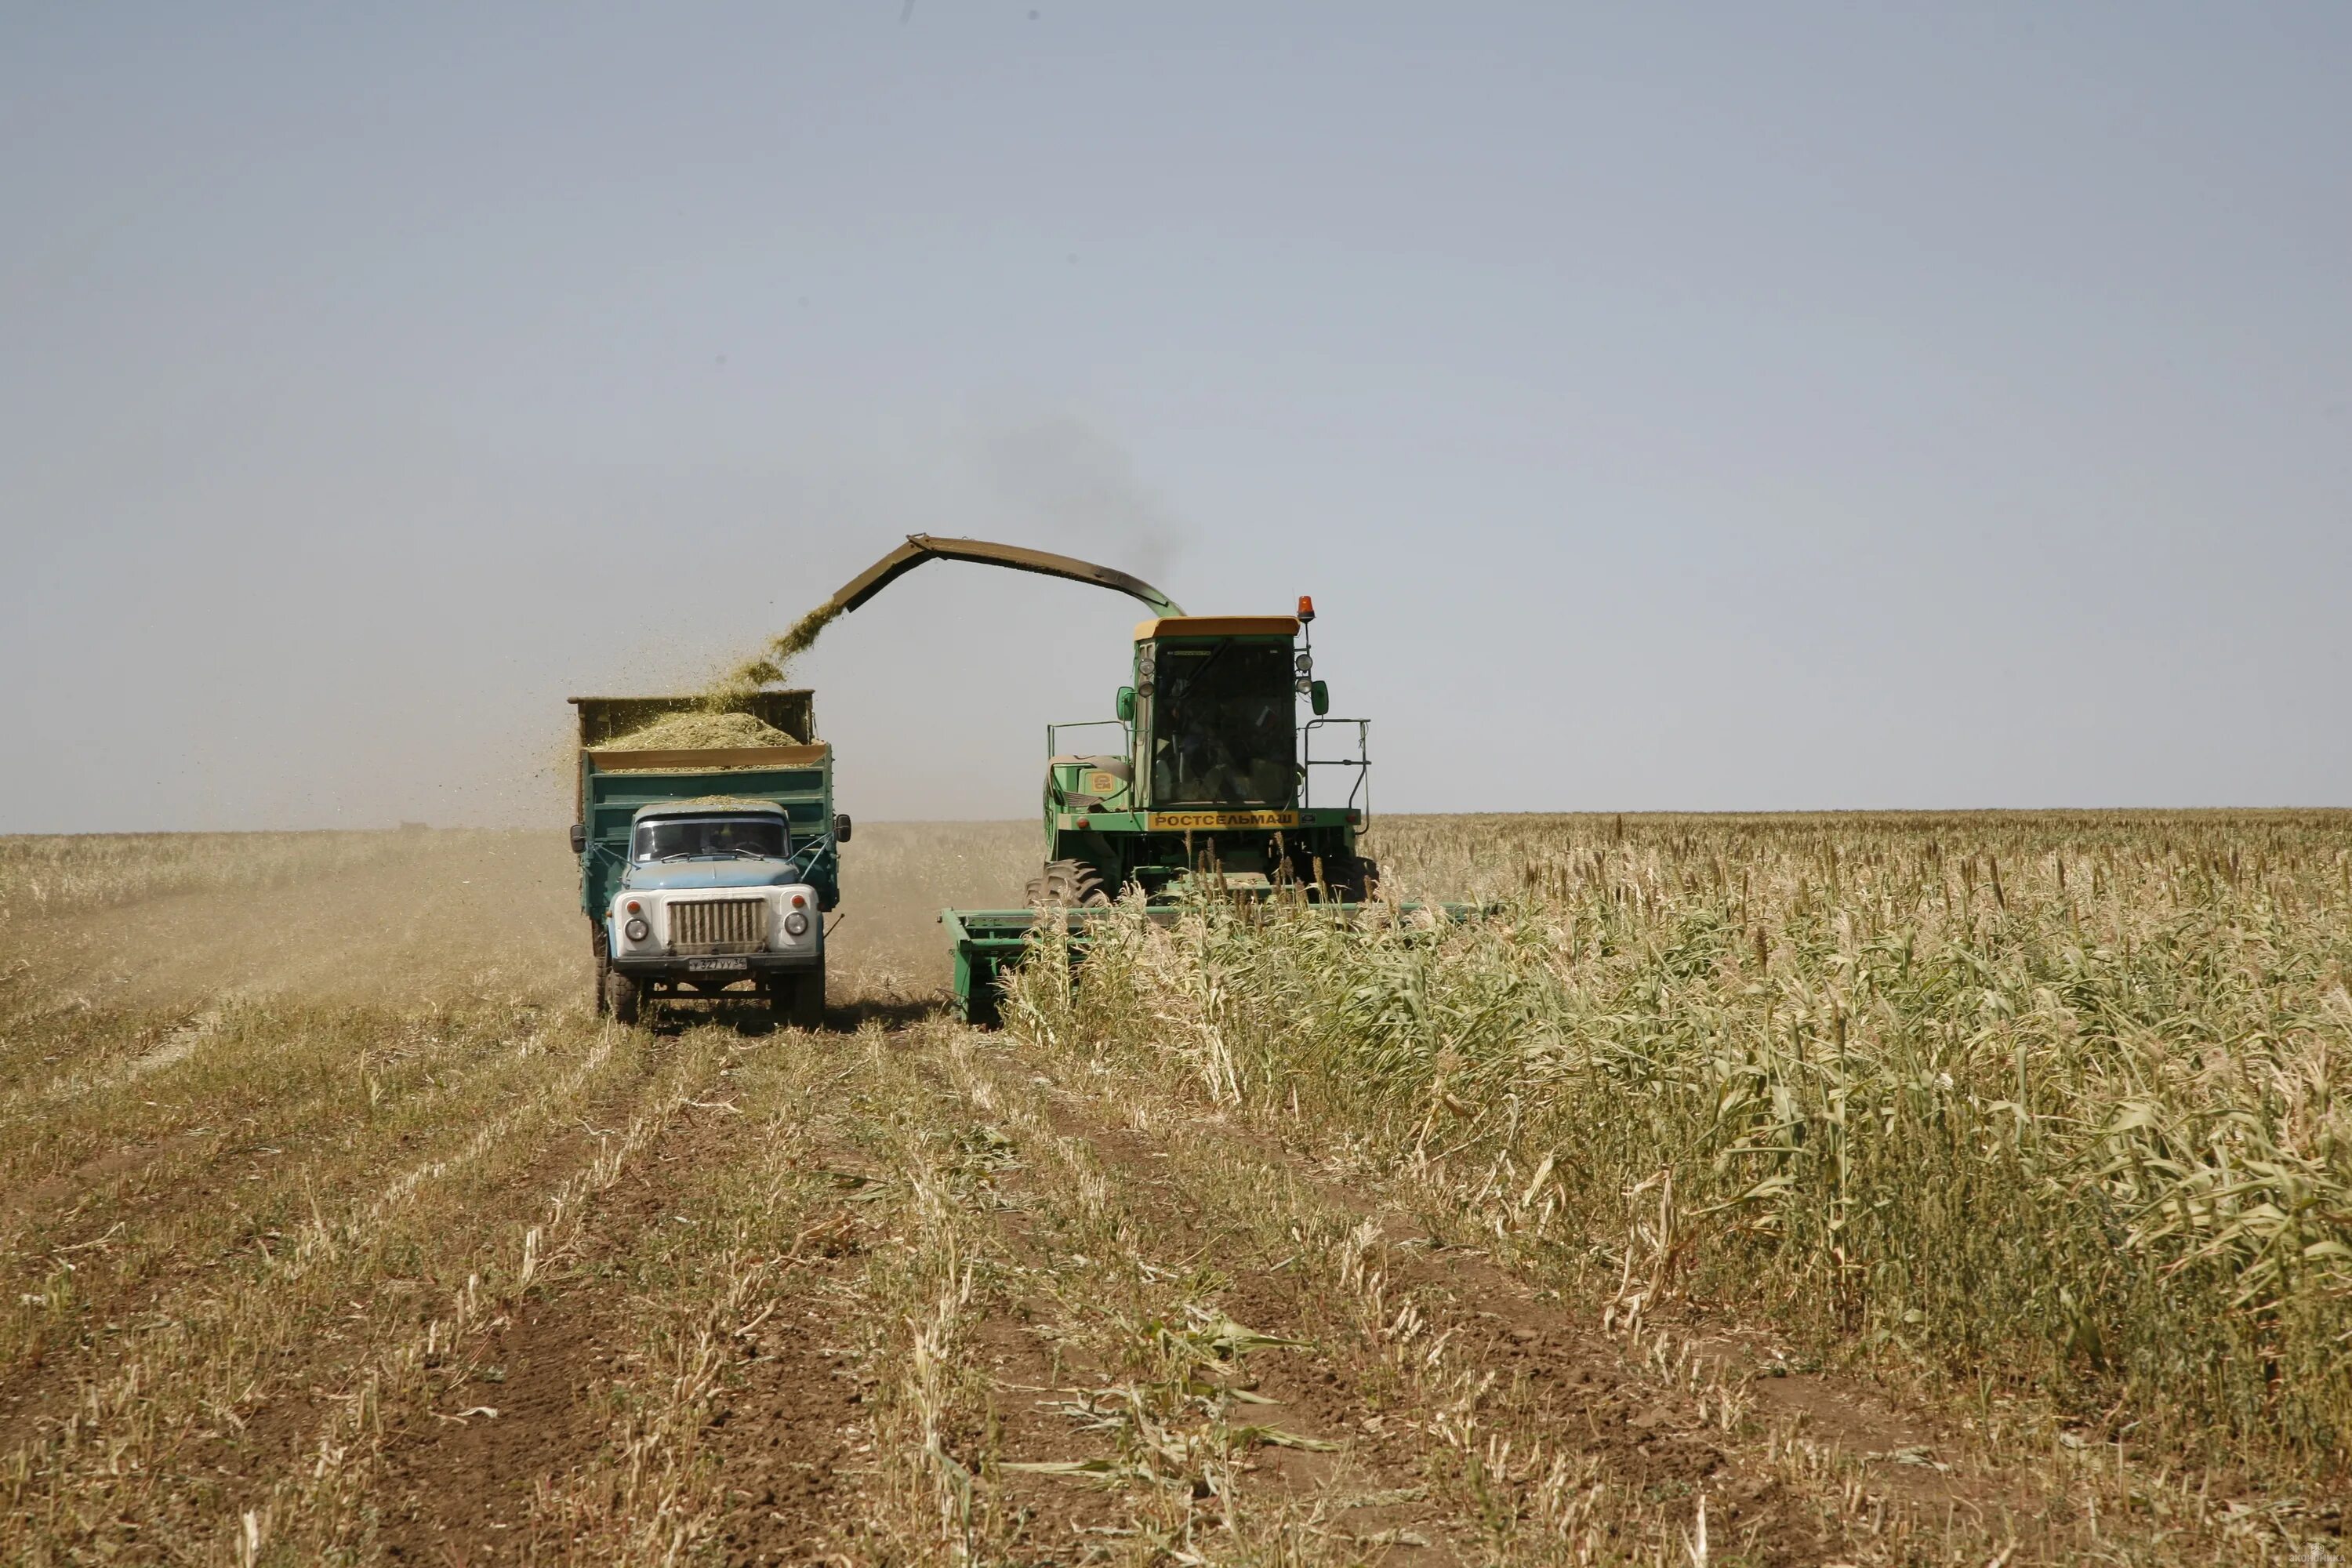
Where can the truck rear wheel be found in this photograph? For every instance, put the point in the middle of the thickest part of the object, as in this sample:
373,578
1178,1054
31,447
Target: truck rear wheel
603,969
1070,884
624,997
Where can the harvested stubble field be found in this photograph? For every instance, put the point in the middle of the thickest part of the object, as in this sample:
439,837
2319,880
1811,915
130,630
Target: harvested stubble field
1868,1189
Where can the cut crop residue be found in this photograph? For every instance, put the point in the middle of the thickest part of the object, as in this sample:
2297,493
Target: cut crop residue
698,730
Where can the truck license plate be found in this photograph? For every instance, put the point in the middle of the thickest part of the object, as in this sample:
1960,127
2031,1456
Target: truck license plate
717,965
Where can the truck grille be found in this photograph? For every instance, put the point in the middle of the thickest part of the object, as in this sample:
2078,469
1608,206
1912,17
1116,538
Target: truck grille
704,926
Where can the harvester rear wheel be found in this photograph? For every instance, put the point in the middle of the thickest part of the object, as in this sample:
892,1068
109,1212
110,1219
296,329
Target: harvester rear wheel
1069,884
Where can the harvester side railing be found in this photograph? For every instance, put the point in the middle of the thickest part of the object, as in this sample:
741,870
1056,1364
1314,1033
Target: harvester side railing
1053,733
1359,791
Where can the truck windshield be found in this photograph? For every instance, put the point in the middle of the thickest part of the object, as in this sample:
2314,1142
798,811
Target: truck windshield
671,839
1221,728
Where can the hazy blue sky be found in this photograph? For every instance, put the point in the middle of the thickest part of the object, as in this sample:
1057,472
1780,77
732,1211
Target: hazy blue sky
1668,406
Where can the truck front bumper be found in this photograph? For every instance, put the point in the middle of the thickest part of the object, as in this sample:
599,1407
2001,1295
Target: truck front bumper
718,970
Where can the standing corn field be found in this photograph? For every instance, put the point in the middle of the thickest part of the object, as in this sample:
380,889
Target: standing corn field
2042,1107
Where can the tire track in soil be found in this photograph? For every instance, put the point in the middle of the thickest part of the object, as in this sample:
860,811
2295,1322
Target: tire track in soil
1026,1407
783,1432
459,1487
267,1442
780,1431
1294,1381
1051,1512
46,1387
42,1387
247,1447
790,1434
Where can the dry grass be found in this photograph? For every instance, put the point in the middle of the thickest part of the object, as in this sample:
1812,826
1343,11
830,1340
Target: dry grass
1755,1190
65,873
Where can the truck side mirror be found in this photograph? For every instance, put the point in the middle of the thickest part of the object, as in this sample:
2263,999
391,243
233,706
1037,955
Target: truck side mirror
579,838
1318,697
841,828
1125,705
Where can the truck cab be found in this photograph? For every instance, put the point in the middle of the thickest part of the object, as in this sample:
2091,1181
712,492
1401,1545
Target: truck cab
715,892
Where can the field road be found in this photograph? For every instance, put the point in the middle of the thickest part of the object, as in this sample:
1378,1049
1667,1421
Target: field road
338,1227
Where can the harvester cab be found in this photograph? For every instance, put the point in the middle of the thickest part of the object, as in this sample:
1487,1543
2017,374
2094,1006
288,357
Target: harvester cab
1213,781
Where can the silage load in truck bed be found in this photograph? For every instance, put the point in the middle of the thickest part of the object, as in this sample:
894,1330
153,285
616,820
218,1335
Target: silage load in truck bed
700,731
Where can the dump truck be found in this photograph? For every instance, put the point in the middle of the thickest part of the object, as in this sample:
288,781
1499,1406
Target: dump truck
708,874
1215,779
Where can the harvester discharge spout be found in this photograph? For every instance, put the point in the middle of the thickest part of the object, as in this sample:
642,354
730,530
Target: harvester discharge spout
922,547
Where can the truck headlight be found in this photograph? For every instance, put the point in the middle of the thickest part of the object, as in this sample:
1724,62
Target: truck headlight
796,924
636,931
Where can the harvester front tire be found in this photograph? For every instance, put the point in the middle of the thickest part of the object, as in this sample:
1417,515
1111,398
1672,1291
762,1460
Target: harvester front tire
624,997
1069,884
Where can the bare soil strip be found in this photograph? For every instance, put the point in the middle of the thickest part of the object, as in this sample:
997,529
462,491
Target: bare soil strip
530,1396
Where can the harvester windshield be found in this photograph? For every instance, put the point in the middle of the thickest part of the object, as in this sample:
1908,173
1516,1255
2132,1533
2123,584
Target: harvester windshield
1221,731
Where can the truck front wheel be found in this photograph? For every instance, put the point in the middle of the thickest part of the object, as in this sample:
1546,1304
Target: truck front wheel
603,971
797,1001
622,996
